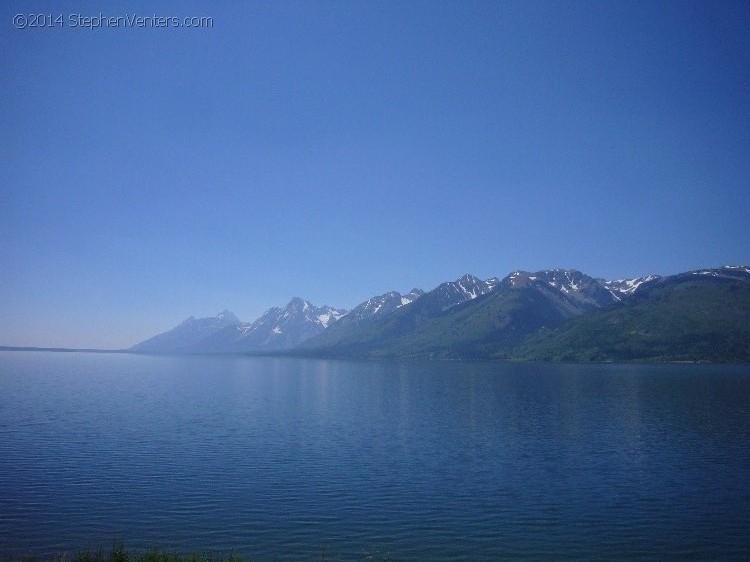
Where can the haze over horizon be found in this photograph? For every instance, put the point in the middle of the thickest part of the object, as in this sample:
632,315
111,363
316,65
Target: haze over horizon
335,151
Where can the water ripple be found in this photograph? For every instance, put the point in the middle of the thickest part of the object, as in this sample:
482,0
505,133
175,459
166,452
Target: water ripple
285,459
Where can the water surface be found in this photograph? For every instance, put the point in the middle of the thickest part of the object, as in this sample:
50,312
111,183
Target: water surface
283,459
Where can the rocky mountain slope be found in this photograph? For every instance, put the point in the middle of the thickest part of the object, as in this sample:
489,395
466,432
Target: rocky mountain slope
468,317
556,314
696,316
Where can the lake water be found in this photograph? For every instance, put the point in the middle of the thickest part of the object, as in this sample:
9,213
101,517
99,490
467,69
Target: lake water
285,459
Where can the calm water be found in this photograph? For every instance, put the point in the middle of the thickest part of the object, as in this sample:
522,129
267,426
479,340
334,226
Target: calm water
282,459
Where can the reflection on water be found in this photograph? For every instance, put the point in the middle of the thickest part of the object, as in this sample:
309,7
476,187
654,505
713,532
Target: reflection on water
279,458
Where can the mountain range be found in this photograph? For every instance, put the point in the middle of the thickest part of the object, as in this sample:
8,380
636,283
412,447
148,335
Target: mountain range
556,314
276,330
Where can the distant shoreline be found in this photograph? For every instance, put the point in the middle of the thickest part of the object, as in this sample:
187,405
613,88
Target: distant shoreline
60,349
291,355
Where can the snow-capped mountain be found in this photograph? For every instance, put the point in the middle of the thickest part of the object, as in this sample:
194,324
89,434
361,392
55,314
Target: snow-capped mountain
453,313
366,314
453,321
277,329
579,289
188,334
284,328
622,287
464,289
380,305
380,318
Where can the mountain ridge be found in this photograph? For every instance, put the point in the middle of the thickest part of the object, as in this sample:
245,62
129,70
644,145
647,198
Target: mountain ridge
523,316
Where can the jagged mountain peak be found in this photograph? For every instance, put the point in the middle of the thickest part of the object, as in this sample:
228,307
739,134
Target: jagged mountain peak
466,287
566,278
376,306
468,278
574,286
518,278
298,302
556,275
277,329
227,316
510,310
493,282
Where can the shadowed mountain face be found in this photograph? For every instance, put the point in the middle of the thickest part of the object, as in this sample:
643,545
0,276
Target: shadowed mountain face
554,314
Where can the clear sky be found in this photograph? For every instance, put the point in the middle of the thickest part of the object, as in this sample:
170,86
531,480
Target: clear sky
338,150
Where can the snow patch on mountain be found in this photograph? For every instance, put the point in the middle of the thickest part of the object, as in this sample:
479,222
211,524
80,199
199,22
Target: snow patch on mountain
410,297
463,289
331,315
622,287
576,288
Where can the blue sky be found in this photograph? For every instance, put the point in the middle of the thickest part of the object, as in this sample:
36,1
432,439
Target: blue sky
337,150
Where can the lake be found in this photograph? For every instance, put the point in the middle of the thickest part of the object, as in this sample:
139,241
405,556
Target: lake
287,459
